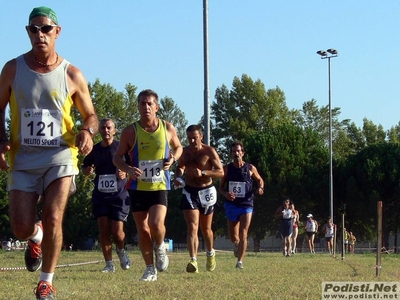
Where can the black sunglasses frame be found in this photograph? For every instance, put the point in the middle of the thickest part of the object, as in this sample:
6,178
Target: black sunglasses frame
44,28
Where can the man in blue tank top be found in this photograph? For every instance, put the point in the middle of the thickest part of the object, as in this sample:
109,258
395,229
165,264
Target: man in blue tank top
237,187
110,199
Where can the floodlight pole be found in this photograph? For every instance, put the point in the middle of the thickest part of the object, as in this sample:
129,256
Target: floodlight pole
324,55
206,76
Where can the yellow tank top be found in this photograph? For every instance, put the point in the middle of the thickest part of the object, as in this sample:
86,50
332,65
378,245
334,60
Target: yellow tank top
148,153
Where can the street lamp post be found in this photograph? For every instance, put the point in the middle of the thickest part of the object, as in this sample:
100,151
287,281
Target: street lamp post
330,53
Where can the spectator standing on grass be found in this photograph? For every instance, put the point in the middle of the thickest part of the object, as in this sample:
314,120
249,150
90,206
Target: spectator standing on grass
346,241
200,163
9,245
329,231
286,214
110,199
41,87
311,228
153,147
295,223
352,242
237,187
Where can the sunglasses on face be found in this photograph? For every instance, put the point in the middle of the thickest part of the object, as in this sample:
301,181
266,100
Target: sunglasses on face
43,28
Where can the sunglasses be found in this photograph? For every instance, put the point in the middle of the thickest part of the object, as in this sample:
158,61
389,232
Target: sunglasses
43,28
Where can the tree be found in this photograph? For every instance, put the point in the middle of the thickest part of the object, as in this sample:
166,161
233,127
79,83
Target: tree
292,161
394,134
119,106
172,113
369,176
247,108
312,116
373,134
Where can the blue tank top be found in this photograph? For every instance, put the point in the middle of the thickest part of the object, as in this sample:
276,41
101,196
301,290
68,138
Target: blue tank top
240,178
101,157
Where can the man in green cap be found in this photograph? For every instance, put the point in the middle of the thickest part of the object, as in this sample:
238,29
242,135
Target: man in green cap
41,87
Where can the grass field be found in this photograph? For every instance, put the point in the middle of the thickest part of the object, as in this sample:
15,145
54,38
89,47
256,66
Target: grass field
265,276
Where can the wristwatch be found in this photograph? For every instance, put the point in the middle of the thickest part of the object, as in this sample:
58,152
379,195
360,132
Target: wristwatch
203,173
90,130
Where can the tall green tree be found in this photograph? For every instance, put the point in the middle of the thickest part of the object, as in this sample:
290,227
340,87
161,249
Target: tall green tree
393,134
311,116
293,162
170,112
374,134
110,103
369,176
248,107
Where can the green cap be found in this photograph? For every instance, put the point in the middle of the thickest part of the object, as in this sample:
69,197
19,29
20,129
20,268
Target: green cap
45,12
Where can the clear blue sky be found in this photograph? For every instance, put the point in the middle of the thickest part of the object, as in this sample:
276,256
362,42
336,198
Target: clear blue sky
159,45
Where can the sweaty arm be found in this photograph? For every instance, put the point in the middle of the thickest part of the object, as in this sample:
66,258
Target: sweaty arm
125,144
179,171
217,170
228,195
6,79
88,164
257,177
175,145
81,97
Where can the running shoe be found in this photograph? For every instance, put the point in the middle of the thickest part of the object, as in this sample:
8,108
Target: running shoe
239,265
192,266
108,269
150,274
162,260
123,259
211,263
236,250
33,254
44,291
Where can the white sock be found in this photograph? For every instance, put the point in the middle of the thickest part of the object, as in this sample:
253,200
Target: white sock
160,247
193,258
109,263
47,277
210,253
38,237
150,267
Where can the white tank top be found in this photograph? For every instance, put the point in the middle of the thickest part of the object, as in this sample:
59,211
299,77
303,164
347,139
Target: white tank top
287,214
41,131
329,231
311,226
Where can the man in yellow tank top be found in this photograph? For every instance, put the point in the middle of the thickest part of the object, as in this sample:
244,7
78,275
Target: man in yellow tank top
153,146
41,87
